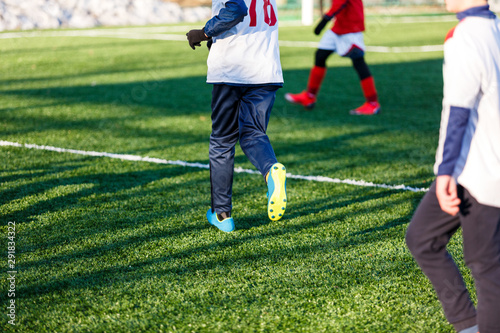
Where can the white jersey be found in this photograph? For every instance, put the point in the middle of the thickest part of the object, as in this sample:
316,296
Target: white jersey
471,75
248,53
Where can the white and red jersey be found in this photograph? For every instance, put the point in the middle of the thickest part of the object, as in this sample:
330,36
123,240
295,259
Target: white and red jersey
469,137
248,52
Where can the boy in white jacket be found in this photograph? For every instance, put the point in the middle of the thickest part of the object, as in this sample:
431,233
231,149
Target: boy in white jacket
466,192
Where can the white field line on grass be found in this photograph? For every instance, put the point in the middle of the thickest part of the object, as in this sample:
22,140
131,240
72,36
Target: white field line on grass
94,33
137,158
144,34
375,49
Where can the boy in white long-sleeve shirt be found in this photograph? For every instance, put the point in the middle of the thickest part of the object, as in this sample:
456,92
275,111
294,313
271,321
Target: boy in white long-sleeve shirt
466,192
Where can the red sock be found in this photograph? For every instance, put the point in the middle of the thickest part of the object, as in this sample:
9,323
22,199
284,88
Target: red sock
315,79
368,86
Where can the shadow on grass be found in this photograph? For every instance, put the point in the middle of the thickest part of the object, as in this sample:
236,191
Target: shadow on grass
401,99
185,262
107,184
400,86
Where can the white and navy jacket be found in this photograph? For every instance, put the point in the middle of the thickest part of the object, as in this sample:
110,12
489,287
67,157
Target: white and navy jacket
245,48
469,137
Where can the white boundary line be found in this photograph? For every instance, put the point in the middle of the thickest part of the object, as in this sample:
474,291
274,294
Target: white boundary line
94,33
370,48
411,19
137,158
142,33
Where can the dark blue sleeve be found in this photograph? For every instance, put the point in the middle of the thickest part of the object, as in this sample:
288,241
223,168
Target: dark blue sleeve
229,16
457,123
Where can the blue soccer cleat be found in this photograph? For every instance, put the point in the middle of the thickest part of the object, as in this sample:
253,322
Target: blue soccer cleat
276,192
226,225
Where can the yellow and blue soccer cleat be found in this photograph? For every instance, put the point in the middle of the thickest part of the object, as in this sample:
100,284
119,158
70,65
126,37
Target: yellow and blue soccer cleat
276,192
226,225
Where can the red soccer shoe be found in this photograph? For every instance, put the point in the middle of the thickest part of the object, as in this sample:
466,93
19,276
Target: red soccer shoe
367,109
304,98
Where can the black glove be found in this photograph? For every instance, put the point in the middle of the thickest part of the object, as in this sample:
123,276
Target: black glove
322,24
195,37
209,43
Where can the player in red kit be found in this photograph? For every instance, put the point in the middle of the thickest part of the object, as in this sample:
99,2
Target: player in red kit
345,38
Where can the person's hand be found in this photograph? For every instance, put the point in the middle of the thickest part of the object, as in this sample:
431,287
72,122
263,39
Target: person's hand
446,192
321,25
195,37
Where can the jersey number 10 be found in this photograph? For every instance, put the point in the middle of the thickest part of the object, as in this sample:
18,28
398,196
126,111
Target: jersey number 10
269,14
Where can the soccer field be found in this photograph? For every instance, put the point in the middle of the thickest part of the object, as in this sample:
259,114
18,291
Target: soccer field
109,244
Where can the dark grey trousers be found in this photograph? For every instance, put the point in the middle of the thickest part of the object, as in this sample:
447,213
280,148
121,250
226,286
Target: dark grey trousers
427,236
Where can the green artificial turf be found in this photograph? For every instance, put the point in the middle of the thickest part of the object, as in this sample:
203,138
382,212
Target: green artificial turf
105,245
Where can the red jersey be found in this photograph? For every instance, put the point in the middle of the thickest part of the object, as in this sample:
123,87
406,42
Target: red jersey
349,16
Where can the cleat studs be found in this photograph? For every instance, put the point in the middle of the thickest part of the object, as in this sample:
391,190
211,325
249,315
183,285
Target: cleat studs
271,210
280,214
283,208
284,200
272,217
272,202
275,168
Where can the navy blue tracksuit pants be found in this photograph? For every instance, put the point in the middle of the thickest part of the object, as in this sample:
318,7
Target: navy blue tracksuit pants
427,236
238,113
